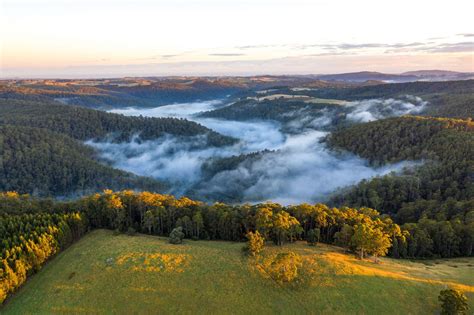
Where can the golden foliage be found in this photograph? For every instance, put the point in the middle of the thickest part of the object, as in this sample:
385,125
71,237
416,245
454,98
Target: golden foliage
155,262
282,267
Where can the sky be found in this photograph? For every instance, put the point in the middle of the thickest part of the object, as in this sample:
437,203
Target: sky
107,38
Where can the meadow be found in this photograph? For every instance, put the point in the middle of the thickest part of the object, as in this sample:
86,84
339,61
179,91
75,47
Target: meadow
105,273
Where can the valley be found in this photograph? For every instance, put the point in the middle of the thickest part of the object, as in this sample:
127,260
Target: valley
236,157
342,164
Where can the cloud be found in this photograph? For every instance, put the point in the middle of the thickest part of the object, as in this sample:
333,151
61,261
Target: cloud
466,34
226,54
259,46
453,48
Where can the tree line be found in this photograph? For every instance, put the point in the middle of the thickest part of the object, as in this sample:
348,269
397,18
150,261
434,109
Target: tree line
29,240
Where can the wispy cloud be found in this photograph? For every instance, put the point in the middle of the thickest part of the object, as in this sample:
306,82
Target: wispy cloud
455,47
226,54
466,34
258,46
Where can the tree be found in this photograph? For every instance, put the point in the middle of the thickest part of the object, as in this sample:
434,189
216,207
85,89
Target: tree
263,220
198,224
380,243
453,302
176,235
371,240
344,236
312,237
282,223
149,220
255,243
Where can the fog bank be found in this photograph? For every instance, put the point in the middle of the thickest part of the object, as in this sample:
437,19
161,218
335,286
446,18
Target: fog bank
301,169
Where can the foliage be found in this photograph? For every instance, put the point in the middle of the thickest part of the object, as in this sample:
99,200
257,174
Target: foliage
370,240
453,302
312,236
283,267
438,195
159,214
86,124
255,243
29,240
43,163
41,149
447,99
176,235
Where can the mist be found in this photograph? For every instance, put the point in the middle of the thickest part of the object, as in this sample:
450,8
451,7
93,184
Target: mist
300,168
370,110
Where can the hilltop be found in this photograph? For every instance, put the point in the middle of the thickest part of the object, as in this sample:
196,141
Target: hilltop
146,273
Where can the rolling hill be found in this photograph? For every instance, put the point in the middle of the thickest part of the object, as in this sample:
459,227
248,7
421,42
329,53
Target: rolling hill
104,273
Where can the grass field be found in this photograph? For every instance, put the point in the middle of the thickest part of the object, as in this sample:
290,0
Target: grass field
105,273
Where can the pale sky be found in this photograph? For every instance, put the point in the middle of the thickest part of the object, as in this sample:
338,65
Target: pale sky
103,38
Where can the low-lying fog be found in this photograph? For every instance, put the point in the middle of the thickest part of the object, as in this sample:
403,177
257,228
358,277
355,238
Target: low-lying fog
301,168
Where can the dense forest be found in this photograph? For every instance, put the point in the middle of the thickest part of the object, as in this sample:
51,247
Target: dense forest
434,200
86,124
29,240
445,148
447,99
42,150
45,163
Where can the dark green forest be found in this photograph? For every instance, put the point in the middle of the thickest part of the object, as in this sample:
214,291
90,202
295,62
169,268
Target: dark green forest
41,162
434,200
279,110
447,99
85,124
41,149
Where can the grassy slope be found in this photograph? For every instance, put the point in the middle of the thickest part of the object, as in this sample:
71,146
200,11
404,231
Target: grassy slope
214,277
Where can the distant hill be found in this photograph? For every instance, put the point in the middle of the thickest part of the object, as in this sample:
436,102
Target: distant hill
440,75
423,75
368,76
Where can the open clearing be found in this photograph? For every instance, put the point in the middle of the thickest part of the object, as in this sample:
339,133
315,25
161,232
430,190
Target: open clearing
105,273
305,98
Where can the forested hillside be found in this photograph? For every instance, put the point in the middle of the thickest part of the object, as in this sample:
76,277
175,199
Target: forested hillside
42,150
438,195
447,99
113,93
38,161
445,147
85,124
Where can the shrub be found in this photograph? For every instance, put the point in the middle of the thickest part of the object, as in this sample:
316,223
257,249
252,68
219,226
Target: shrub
255,243
176,235
453,302
284,267
313,236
